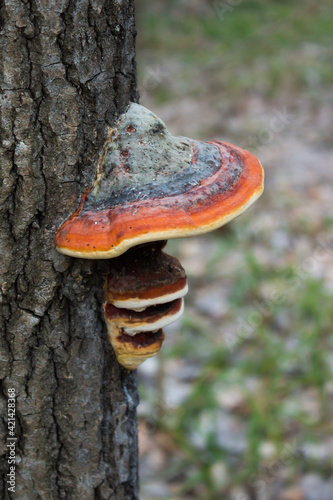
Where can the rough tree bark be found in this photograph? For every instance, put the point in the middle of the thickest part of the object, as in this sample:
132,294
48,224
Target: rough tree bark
67,69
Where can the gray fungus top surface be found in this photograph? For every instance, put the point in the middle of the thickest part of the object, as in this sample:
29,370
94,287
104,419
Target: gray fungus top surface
144,161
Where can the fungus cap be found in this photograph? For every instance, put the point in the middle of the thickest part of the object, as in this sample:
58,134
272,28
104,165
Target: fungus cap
143,277
131,351
151,319
153,186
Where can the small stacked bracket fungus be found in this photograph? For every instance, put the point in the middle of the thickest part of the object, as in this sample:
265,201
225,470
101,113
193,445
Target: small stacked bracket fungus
143,293
152,186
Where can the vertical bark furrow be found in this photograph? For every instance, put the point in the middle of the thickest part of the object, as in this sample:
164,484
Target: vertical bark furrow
67,70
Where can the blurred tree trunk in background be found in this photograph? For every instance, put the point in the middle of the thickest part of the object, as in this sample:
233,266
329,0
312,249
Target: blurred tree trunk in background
67,69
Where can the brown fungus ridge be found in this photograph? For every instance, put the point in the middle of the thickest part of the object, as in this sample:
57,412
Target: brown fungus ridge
151,318
141,340
144,276
165,187
130,350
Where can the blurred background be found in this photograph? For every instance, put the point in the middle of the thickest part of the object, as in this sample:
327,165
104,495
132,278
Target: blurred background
238,404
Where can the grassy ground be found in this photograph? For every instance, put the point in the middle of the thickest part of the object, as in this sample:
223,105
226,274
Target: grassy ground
238,405
256,46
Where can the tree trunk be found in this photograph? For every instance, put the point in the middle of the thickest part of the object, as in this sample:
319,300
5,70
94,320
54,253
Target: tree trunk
67,70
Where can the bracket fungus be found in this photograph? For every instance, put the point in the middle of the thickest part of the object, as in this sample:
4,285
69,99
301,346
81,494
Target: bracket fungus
152,186
143,293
